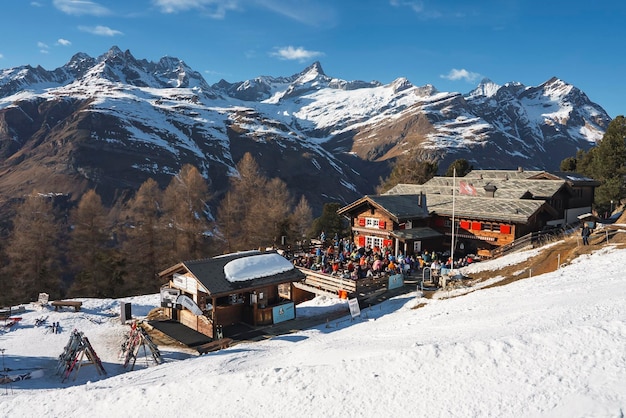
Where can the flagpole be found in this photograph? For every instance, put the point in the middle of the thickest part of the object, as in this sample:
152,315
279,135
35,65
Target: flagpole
452,241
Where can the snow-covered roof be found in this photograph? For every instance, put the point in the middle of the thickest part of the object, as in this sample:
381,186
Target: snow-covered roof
256,266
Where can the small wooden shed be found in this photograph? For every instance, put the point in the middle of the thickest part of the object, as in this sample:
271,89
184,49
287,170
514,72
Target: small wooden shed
251,287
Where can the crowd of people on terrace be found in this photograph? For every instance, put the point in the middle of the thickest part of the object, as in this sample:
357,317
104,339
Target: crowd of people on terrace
344,258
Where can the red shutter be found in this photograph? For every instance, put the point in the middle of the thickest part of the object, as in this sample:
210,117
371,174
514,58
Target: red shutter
381,224
476,226
361,221
362,240
505,229
387,243
464,224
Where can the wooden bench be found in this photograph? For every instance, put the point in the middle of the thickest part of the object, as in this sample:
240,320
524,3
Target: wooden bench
214,345
69,303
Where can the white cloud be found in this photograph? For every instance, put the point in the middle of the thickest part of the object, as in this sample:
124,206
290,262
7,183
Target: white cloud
462,74
416,6
63,42
291,53
80,7
42,45
1,56
213,8
100,30
36,4
307,12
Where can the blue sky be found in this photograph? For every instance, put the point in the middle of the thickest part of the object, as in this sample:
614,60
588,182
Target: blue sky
449,44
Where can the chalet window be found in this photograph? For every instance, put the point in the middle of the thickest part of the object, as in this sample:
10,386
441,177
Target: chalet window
371,222
374,242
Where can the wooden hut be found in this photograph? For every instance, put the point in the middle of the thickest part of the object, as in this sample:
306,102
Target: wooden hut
212,294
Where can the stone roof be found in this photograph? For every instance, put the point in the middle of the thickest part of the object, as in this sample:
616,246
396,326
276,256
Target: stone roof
399,206
504,189
486,208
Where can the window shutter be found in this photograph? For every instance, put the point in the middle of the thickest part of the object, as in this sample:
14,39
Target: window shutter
464,224
505,229
361,241
381,224
476,226
361,221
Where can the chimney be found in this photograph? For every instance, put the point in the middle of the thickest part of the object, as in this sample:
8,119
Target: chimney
490,190
421,200
520,169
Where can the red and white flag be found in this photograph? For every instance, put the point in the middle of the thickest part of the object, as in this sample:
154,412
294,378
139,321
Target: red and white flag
467,189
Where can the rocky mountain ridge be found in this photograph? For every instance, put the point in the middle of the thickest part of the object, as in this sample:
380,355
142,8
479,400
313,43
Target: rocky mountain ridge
113,121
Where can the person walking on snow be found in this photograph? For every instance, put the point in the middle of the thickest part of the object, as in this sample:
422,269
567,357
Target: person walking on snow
585,234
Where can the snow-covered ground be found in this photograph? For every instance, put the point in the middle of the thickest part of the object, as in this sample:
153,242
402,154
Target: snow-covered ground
552,345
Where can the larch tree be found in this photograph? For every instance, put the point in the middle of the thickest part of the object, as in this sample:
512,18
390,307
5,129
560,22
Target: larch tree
185,207
414,167
143,242
98,267
276,204
240,214
301,219
33,250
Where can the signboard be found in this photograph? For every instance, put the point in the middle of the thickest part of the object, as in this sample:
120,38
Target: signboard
355,309
395,281
283,312
188,284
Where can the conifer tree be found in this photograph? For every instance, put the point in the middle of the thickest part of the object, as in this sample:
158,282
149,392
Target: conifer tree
414,167
33,250
255,211
462,167
330,222
142,244
99,268
185,221
301,219
238,213
608,164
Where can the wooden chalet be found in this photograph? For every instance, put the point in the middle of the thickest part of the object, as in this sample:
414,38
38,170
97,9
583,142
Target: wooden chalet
399,222
491,208
573,195
211,294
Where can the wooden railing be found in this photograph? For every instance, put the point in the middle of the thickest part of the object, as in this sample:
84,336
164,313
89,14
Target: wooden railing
531,240
335,284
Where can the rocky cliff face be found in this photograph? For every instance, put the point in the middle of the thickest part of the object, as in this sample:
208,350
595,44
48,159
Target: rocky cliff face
113,121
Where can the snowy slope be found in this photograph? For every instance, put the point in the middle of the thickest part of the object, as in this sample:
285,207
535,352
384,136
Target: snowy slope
551,345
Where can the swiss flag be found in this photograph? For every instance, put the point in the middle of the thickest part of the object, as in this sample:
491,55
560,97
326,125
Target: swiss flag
468,189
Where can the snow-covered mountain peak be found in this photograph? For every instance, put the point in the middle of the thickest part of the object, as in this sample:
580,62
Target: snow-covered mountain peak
155,116
400,84
556,87
486,88
312,74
